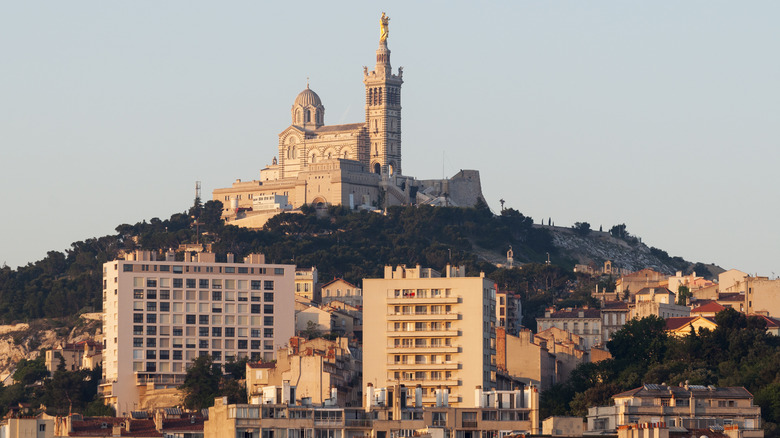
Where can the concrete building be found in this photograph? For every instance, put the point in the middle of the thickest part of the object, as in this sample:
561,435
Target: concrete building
80,355
584,322
356,165
686,407
159,315
639,280
659,302
395,411
307,284
509,311
315,367
342,290
422,328
614,315
541,360
27,428
563,426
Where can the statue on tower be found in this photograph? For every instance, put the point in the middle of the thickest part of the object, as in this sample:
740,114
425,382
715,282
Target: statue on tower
384,30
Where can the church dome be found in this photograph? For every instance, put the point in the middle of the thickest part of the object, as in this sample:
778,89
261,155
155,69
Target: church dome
308,97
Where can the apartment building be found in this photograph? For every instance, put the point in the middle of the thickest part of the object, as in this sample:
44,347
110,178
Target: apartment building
687,407
390,412
436,331
584,322
509,311
159,315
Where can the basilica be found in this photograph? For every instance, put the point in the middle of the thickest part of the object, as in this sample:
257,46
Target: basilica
356,165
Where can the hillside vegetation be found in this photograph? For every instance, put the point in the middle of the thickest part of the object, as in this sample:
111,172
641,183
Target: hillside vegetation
738,353
339,242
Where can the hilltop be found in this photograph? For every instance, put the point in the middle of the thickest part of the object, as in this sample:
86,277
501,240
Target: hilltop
341,243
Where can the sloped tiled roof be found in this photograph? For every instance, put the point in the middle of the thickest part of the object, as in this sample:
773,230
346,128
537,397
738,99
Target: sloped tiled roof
708,308
104,427
677,322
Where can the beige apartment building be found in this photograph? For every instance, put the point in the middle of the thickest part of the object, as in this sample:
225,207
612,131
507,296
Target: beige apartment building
432,330
159,315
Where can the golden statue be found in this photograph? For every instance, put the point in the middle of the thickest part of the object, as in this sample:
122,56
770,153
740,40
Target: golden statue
384,23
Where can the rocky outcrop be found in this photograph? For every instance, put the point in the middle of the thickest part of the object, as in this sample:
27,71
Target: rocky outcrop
26,341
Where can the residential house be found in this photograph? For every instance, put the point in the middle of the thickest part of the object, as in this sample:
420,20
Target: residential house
77,356
681,326
639,280
342,290
659,302
584,322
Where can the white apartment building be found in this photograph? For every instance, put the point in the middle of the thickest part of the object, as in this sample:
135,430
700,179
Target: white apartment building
159,315
424,329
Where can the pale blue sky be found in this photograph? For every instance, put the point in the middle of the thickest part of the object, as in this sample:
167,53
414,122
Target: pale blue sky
660,115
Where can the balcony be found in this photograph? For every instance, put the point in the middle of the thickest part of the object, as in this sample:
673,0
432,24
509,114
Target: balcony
425,300
411,349
424,366
412,316
422,333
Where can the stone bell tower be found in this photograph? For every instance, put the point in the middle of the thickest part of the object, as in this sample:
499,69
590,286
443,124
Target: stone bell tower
383,109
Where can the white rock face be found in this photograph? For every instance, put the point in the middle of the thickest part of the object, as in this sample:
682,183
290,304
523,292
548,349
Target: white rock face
25,341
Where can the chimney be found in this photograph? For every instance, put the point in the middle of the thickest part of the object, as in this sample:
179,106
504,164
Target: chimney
231,258
369,396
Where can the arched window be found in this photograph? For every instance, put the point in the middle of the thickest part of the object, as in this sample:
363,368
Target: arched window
297,116
313,158
380,96
377,168
308,116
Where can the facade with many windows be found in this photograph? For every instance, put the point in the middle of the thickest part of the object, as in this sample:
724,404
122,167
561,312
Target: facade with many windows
159,315
430,330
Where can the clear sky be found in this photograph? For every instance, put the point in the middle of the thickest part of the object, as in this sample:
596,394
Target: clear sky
660,115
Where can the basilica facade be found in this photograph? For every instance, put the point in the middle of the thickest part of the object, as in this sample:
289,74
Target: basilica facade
356,165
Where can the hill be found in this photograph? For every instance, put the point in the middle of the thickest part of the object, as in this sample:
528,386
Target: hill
340,243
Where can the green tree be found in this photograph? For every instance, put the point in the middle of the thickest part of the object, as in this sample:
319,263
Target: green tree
683,293
30,371
201,384
581,228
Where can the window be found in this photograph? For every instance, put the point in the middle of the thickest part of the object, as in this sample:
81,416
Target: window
268,308
151,282
151,294
278,271
138,342
138,318
268,333
191,319
138,329
203,283
216,331
127,268
268,285
151,354
256,284
268,297
203,343
151,330
176,354
151,307
255,333
151,342
165,307
165,294
203,331
151,318
255,308
268,320
138,294
230,332
191,283
242,344
203,319
177,282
